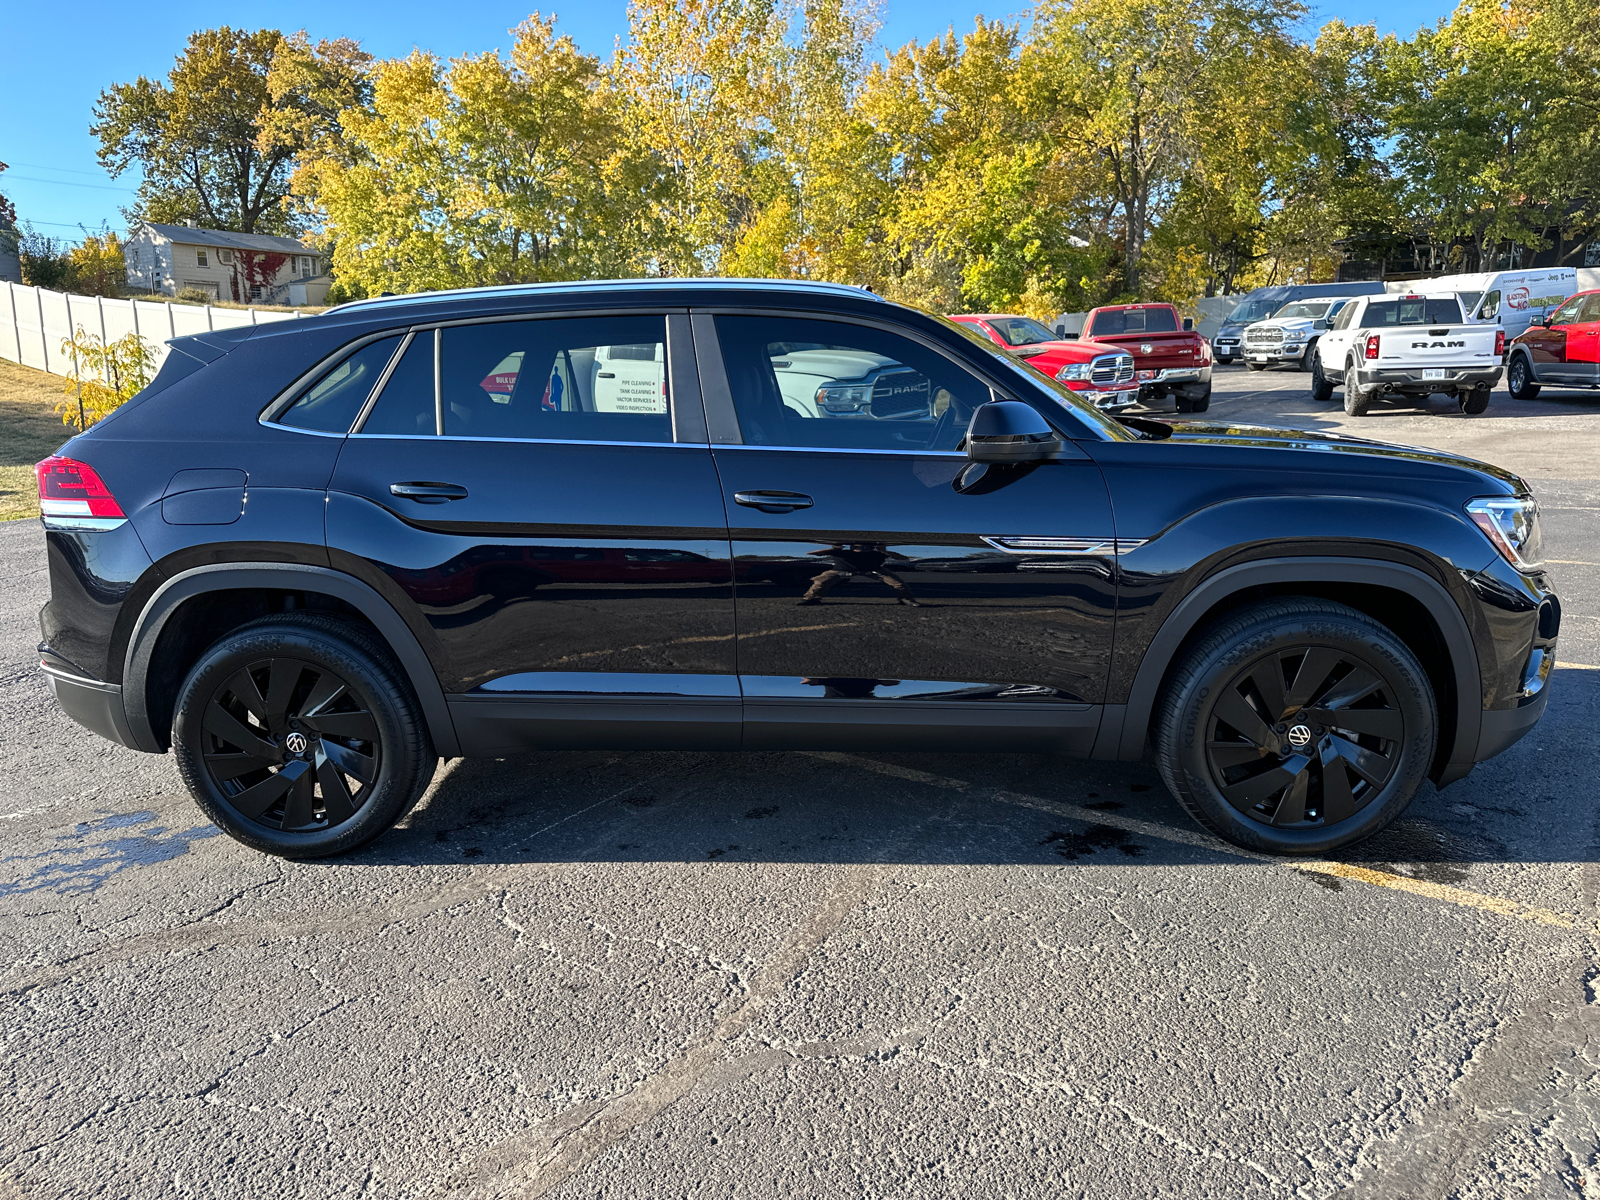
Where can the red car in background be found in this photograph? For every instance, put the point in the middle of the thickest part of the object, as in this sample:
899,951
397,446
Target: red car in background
1172,359
1103,375
1562,350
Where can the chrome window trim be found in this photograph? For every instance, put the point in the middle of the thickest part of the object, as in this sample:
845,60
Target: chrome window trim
457,437
961,454
377,389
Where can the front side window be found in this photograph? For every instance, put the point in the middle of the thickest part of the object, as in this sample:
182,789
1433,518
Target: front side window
1591,309
331,403
562,379
1021,331
1346,315
802,382
1567,314
1491,307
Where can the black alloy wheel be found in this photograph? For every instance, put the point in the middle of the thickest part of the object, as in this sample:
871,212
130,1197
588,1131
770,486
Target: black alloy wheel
289,745
299,736
1304,737
1519,379
1297,726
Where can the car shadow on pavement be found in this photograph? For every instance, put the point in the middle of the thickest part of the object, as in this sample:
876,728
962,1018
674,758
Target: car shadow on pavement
972,809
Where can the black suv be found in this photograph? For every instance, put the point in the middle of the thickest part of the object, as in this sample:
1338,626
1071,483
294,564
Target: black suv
313,557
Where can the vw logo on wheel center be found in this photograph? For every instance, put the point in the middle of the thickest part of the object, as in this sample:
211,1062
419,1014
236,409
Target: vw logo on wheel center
296,743
1300,736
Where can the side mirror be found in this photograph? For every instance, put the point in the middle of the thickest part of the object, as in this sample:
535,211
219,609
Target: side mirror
1061,331
1319,323
1188,324
1545,321
1009,431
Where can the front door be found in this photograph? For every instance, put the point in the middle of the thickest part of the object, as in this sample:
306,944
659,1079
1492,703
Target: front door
518,491
877,604
1583,342
1548,345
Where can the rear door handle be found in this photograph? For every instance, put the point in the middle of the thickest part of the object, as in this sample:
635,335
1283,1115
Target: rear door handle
773,502
428,493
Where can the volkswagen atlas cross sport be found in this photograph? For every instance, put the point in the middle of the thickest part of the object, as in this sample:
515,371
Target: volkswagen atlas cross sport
313,558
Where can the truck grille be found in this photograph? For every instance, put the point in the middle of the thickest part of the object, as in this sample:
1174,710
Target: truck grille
1264,339
1111,368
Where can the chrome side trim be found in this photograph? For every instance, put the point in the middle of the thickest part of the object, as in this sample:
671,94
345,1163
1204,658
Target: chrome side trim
719,448
1064,545
97,685
85,524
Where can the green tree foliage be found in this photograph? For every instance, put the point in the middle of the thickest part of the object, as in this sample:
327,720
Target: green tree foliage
197,137
104,375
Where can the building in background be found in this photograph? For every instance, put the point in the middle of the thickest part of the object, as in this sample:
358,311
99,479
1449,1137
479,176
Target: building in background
248,268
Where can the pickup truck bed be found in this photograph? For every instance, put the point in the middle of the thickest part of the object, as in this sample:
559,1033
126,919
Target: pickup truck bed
1407,346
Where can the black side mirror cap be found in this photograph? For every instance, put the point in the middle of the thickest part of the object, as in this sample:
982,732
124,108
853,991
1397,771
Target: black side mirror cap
1188,324
1009,431
1061,331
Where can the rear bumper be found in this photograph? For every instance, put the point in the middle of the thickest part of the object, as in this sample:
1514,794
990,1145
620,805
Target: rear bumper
1405,379
95,705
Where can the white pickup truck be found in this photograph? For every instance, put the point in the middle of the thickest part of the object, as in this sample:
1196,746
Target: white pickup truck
1410,345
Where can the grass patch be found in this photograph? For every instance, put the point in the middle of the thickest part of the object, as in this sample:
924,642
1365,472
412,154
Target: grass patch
29,431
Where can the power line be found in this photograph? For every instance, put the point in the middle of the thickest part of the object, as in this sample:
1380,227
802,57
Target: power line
43,167
104,187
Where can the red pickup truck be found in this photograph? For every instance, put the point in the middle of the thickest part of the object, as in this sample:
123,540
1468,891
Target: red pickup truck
1171,358
1562,350
1103,375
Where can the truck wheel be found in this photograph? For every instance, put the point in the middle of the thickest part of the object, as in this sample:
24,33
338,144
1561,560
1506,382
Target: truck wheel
1356,400
1519,379
1198,402
1227,362
1254,366
1309,357
1321,385
1296,727
1474,402
298,736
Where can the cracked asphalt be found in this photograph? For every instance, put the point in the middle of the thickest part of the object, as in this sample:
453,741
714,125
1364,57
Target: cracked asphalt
814,975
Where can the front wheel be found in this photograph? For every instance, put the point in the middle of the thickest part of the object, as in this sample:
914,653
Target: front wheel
1309,357
299,737
1227,362
1321,385
1296,727
1519,380
1255,366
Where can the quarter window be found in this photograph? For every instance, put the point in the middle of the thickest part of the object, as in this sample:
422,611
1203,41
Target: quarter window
799,382
562,379
332,402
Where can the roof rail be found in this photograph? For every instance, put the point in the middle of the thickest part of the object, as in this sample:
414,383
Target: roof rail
586,285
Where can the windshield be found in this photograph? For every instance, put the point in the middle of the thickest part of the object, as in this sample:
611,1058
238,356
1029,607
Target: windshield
1313,309
1469,300
1021,331
1258,309
1413,310
1032,382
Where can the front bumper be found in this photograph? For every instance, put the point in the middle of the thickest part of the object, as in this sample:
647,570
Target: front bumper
95,705
1409,379
1227,345
1112,399
1293,352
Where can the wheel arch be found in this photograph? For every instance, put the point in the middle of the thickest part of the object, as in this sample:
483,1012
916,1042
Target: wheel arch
1404,599
190,611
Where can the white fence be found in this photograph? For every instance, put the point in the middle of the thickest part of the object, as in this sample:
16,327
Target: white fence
33,323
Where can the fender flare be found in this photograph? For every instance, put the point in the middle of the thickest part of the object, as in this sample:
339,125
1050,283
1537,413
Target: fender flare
197,581
1122,735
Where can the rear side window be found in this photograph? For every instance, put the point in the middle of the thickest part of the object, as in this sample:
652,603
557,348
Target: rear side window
331,403
559,379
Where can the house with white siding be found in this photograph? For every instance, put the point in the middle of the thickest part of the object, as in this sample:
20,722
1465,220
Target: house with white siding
248,268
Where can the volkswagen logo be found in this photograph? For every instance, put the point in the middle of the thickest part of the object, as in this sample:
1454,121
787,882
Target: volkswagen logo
1146,348
296,742
1300,736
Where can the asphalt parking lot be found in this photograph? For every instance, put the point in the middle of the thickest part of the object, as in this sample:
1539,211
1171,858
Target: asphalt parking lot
818,975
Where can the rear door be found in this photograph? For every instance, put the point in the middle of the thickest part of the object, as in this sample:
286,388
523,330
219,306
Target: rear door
878,605
555,536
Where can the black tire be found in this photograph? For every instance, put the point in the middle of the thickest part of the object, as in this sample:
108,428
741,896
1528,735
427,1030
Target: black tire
1321,385
1309,357
1181,403
1200,403
1519,379
1227,362
1256,366
1474,402
1252,780
363,757
1356,399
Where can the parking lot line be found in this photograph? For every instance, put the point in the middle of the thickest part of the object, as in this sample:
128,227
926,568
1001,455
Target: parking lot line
1460,897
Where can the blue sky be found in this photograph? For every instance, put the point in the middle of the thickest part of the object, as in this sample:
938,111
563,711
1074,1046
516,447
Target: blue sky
54,63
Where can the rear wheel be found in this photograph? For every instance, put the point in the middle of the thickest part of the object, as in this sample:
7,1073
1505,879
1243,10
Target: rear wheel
1519,379
1356,399
299,737
1474,402
1321,385
1296,727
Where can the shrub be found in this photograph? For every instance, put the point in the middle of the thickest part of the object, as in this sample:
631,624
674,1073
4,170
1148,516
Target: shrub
103,376
194,295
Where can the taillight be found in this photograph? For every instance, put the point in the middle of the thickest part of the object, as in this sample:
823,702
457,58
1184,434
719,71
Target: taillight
1499,343
69,488
1372,346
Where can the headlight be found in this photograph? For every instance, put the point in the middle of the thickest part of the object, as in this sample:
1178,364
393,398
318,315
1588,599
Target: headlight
1074,372
1512,524
852,398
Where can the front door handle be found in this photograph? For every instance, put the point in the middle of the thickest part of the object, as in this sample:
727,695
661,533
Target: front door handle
773,502
428,493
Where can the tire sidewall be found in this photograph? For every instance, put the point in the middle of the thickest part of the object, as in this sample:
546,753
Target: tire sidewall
372,686
1182,742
